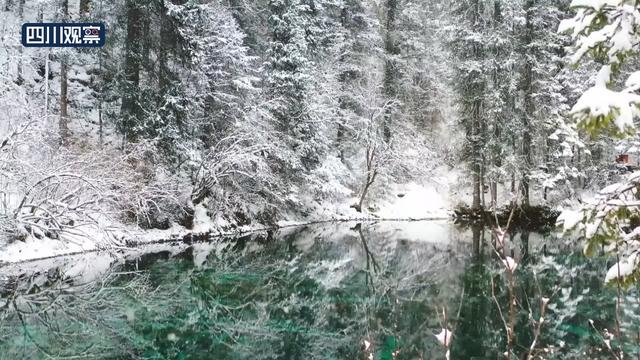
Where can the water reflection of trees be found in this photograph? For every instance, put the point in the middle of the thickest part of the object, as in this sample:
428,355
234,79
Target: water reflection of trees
49,316
322,300
241,304
577,295
405,298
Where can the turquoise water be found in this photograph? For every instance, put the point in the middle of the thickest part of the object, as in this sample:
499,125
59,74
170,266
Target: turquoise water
320,293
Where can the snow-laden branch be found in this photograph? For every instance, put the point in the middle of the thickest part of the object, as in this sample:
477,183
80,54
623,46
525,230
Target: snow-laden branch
606,29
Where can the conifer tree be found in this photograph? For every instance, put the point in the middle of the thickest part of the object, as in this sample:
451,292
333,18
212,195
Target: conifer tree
131,111
468,46
353,46
294,35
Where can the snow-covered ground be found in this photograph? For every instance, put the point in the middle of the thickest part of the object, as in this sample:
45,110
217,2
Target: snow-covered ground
417,201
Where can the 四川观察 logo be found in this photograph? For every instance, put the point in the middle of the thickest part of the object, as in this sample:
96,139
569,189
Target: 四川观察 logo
63,35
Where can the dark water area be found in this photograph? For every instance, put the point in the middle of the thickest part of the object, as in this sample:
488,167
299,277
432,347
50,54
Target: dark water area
321,292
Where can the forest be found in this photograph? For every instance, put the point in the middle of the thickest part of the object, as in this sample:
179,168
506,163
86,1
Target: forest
216,119
269,111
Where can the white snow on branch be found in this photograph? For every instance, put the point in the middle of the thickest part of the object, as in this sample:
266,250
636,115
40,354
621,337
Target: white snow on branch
622,269
600,101
444,337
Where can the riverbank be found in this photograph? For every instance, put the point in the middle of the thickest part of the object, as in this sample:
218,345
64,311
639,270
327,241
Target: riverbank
410,202
88,265
33,249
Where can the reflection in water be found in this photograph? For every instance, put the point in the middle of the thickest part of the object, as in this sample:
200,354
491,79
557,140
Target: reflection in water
341,292
474,325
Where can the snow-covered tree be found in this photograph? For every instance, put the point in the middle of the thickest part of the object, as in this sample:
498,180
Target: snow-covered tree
295,33
541,102
513,62
469,48
607,31
501,123
355,40
219,69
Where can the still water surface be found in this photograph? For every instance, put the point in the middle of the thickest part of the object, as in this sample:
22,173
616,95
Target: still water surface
318,292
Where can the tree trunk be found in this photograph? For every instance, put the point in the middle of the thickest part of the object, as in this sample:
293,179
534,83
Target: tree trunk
40,17
63,122
483,184
46,87
524,238
372,173
20,78
100,94
166,41
579,167
476,156
494,194
390,65
475,95
527,86
528,163
340,141
513,190
64,115
476,205
548,161
363,196
130,108
476,230
343,77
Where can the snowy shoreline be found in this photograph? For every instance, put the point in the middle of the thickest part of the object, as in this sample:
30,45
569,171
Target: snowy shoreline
23,252
419,203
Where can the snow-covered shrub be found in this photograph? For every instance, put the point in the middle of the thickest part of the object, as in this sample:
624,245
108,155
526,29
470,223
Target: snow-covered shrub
236,176
148,194
54,191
